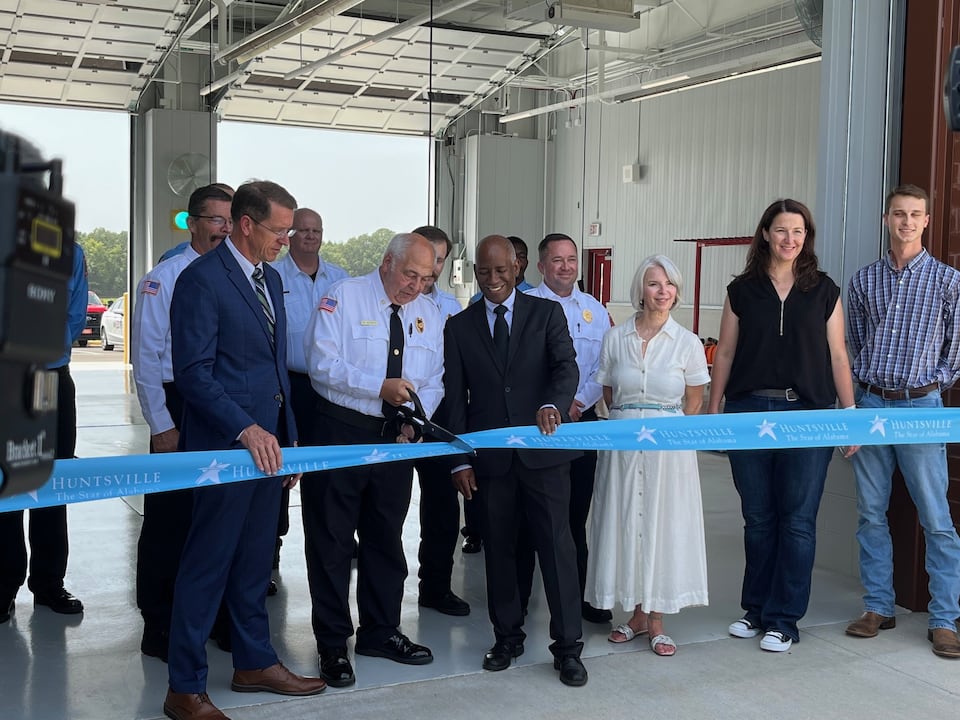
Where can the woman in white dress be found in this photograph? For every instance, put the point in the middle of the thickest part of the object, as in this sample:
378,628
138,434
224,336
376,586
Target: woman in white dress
647,548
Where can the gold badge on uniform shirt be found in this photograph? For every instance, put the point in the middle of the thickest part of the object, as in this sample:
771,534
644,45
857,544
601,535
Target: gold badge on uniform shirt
588,316
419,324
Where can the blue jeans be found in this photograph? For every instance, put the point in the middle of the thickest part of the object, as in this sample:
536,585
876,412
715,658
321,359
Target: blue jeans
924,469
780,493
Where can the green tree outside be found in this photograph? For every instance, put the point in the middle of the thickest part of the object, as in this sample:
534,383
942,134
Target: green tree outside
106,253
358,255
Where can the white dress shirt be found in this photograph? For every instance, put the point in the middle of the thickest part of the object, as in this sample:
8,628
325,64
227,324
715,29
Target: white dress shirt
301,295
150,339
348,337
587,321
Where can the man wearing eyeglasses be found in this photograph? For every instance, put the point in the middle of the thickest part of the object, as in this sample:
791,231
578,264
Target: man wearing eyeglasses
306,277
228,326
166,516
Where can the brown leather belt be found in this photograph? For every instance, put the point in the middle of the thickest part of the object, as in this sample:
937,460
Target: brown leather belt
900,394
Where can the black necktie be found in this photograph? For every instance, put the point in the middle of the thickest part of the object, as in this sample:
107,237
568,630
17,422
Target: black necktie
501,334
394,356
262,297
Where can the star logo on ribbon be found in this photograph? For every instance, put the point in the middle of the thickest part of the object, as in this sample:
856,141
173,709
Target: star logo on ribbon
646,434
516,440
376,456
211,473
878,424
766,428
35,495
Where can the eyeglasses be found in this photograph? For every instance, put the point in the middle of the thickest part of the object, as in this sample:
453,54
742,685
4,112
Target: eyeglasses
216,220
278,233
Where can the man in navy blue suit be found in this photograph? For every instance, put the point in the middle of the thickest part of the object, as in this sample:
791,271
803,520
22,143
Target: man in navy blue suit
229,362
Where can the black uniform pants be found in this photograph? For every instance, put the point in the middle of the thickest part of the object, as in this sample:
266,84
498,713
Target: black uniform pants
48,526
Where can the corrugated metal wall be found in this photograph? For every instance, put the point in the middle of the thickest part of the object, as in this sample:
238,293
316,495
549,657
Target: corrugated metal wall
713,159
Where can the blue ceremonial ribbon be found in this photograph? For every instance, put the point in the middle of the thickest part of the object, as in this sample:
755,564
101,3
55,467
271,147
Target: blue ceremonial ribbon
98,478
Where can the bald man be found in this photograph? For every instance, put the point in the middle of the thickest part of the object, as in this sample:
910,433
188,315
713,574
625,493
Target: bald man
509,361
306,277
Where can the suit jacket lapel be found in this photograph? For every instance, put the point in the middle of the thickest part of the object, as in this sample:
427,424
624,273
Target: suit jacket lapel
482,328
521,313
242,283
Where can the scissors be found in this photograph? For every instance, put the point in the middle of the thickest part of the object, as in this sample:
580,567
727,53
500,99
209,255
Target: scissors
417,419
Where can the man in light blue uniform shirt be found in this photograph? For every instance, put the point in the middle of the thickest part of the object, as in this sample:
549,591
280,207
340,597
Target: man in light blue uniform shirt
587,321
306,278
48,526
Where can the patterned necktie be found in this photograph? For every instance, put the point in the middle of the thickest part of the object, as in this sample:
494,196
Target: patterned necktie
394,356
262,297
501,334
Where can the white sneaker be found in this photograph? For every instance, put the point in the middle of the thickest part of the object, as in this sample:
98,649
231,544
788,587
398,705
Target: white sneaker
775,641
743,628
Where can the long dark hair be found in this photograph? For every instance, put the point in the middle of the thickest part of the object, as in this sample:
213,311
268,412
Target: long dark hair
806,268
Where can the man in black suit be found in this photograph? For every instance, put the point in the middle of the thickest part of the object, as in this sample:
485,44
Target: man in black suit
493,379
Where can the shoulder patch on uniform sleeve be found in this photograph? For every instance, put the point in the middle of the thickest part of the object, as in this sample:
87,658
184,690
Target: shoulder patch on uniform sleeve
327,303
150,287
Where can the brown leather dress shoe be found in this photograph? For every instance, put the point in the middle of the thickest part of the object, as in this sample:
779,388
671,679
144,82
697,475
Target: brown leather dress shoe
276,679
945,643
191,706
869,624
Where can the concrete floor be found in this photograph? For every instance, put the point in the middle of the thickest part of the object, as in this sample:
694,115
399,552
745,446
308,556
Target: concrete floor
54,667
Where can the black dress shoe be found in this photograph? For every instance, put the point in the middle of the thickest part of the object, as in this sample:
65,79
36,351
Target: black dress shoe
155,643
272,588
572,671
399,649
472,545
6,610
60,601
595,615
335,667
446,603
501,655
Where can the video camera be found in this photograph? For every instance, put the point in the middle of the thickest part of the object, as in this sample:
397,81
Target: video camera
36,261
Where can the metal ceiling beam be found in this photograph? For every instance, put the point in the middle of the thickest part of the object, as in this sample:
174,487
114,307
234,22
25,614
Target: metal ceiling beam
269,36
413,22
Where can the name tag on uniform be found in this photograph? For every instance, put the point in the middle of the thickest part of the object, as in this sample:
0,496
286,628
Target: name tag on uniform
368,323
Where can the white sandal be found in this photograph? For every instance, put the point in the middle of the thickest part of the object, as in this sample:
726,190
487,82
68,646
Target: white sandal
628,633
663,640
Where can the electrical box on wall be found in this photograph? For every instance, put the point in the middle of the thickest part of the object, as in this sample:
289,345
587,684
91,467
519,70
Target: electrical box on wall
593,229
460,272
632,173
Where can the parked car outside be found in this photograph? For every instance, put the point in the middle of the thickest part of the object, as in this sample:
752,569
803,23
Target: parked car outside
111,324
95,310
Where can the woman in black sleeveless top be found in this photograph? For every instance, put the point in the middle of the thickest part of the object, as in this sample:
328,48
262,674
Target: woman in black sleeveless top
781,348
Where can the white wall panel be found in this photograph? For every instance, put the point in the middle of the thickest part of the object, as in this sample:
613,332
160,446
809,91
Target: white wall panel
714,158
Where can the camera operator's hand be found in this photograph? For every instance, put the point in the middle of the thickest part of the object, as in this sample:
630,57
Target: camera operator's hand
165,441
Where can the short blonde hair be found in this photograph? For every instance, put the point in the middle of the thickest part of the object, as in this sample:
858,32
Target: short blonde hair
665,264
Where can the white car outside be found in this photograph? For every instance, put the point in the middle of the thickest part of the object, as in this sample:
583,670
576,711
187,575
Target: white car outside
111,325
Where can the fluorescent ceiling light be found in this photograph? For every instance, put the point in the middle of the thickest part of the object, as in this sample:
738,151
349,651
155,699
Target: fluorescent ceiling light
627,97
665,81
